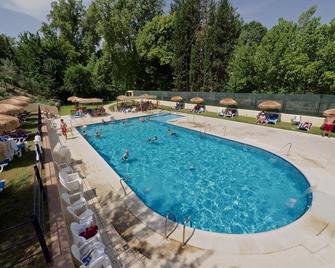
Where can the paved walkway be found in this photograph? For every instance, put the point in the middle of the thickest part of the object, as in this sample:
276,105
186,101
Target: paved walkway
60,250
310,245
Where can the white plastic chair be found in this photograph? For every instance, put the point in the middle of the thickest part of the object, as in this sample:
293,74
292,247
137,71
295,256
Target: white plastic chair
81,214
76,229
75,200
71,183
96,251
296,119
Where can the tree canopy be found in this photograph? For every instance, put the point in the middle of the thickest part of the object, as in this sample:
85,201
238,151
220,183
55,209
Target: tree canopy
110,46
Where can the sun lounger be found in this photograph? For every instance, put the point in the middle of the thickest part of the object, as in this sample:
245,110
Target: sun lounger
305,126
296,119
273,119
78,240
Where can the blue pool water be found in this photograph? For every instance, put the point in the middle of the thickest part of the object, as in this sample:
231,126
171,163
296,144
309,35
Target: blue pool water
224,186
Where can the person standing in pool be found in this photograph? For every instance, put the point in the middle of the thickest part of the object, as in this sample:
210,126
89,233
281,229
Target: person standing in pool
171,133
97,133
125,155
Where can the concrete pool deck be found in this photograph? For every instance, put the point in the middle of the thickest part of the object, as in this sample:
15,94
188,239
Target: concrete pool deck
308,242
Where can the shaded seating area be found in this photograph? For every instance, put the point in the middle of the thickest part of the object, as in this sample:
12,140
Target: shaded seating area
230,109
199,107
179,102
269,112
128,104
81,110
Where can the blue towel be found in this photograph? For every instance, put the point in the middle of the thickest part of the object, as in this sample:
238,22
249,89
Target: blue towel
2,185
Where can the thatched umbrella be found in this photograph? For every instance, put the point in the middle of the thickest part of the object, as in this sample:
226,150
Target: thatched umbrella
197,100
228,102
10,109
121,98
88,100
269,105
22,98
8,123
176,98
329,113
72,99
14,102
148,97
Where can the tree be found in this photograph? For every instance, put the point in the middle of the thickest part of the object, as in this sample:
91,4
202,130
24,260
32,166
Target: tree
187,22
78,81
155,45
242,65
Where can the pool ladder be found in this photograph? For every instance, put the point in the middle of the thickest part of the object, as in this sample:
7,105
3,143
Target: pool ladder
186,221
289,148
166,235
124,189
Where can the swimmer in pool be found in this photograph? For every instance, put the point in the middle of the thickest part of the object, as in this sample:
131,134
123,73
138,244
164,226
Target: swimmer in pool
152,139
97,133
84,132
171,133
125,155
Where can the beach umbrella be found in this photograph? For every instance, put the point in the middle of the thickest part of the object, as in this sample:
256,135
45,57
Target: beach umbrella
8,123
121,98
22,98
176,98
10,109
14,102
147,96
88,100
228,102
197,100
269,105
72,99
329,113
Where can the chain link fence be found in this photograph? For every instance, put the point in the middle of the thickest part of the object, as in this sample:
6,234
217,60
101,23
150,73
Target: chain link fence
304,104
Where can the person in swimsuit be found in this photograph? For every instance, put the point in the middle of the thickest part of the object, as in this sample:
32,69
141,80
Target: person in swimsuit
63,127
125,155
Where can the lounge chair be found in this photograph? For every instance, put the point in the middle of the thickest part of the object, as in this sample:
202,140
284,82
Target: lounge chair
78,240
273,119
296,119
91,255
75,200
305,126
3,163
71,183
82,214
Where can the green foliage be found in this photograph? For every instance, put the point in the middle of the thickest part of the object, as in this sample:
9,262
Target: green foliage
115,45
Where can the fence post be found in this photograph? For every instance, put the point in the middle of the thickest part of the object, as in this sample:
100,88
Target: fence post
41,239
39,179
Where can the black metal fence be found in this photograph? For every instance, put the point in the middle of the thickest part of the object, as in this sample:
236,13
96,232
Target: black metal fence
304,104
24,231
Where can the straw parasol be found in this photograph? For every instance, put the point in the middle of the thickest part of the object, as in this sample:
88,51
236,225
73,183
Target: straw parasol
148,97
197,100
8,123
22,98
14,102
88,100
269,105
10,109
329,113
176,98
72,99
228,102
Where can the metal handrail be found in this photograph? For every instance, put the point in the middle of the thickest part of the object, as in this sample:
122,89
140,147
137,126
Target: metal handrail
224,130
165,224
289,148
124,189
187,220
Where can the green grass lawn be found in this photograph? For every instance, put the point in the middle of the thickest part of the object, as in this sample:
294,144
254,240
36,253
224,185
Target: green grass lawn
16,204
251,120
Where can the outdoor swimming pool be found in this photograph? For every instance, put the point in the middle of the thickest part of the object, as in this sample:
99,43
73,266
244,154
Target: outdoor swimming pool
224,186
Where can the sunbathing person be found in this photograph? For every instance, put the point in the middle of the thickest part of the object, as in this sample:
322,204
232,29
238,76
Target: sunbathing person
261,119
125,156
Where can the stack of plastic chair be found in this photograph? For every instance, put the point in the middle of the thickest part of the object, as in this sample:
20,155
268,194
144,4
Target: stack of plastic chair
91,255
